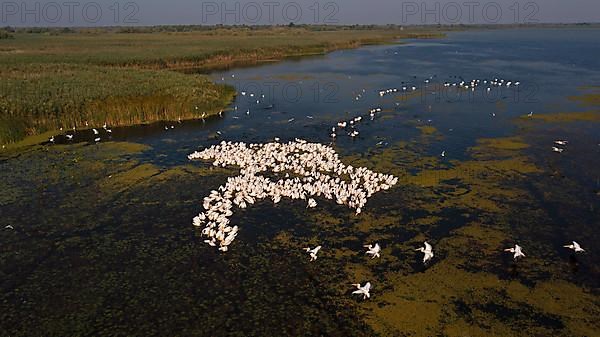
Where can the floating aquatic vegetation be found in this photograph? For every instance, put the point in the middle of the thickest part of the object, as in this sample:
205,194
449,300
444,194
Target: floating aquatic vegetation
305,166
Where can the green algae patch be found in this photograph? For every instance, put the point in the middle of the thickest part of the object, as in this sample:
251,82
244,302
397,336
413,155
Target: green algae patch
31,141
592,99
446,298
124,180
564,117
293,77
506,143
121,148
427,129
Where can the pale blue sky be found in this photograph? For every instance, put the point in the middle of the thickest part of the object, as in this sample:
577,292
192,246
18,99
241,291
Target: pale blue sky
157,12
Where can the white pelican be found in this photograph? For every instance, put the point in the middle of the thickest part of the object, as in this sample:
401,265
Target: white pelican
363,290
575,246
556,149
9,227
561,142
373,250
427,250
517,250
313,252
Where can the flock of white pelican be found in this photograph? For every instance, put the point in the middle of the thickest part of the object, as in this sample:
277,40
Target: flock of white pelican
459,83
304,167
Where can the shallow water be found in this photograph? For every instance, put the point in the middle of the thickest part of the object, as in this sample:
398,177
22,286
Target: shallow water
103,242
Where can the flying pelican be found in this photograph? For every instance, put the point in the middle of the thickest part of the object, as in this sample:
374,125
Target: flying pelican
363,290
313,252
373,250
556,149
575,246
561,142
9,227
516,250
427,250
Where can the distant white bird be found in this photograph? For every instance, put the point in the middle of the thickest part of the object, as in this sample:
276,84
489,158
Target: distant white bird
9,227
561,142
373,250
291,120
575,246
556,149
69,137
95,131
443,153
97,139
517,250
313,252
530,114
52,139
311,203
427,250
363,290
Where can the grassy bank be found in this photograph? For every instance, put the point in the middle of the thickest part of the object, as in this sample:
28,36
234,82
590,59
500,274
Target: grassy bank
60,79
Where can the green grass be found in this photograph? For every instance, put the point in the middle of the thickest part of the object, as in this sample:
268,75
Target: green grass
57,79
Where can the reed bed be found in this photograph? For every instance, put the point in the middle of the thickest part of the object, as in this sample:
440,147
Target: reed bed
41,97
